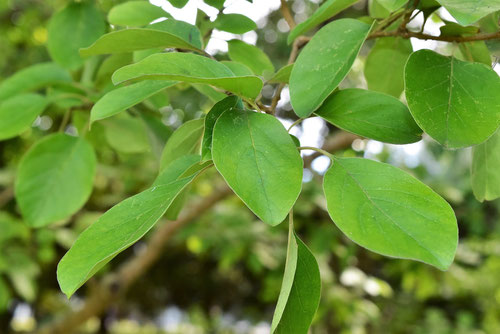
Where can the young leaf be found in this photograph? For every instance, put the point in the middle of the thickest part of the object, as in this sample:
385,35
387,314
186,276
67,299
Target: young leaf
387,53
324,62
33,78
283,75
392,5
55,179
469,11
372,115
213,115
327,10
189,68
234,23
485,169
119,228
447,102
135,14
80,20
127,134
387,211
185,140
18,113
125,97
259,161
251,56
133,39
300,290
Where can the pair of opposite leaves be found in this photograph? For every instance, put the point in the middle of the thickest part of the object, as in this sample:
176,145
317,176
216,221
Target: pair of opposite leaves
455,102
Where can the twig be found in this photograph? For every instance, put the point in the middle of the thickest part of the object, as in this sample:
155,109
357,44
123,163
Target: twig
451,39
287,14
113,285
341,140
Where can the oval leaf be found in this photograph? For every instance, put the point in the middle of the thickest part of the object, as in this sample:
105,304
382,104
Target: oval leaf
327,10
189,68
485,169
251,56
387,211
234,23
469,11
55,179
447,102
371,115
76,26
18,113
119,228
33,78
259,161
135,14
123,98
324,62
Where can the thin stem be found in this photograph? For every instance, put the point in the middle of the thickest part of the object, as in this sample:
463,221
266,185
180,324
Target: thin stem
319,150
295,123
65,121
287,14
456,39
254,105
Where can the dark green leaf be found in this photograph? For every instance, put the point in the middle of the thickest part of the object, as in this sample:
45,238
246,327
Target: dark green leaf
324,62
387,211
55,179
259,161
76,26
327,10
392,5
18,113
213,115
469,11
178,3
447,101
372,115
189,68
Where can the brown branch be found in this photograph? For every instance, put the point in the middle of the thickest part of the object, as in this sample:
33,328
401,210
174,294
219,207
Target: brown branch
451,39
287,14
341,140
6,195
114,285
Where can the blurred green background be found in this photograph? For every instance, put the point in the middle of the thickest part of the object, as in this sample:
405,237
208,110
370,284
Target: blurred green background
222,273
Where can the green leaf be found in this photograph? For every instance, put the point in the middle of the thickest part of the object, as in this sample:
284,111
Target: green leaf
4,295
210,92
186,140
125,97
387,211
259,161
189,68
238,69
485,169
119,228
372,115
447,102
135,14
476,52
469,11
234,23
33,78
324,62
327,10
184,30
283,75
18,113
213,115
251,56
76,26
55,179
300,290
178,3
219,4
388,53
127,134
133,39
392,5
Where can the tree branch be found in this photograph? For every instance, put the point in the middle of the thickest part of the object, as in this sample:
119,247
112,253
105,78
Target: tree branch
456,39
287,14
114,285
341,140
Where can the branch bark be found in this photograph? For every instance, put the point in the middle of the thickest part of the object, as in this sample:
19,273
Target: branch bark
451,39
287,14
114,285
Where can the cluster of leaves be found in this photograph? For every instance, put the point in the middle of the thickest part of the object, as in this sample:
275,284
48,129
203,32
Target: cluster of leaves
376,205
